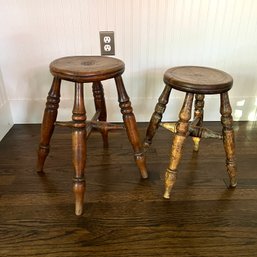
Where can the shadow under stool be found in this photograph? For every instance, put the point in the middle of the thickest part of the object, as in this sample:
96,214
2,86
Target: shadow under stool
194,81
80,70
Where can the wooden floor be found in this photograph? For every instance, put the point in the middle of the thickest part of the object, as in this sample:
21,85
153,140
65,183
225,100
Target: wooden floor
127,216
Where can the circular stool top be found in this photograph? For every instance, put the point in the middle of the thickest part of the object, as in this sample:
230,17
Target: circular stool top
86,68
199,80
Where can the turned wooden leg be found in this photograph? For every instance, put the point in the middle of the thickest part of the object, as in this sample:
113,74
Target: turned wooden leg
177,145
79,147
100,106
131,126
228,137
49,119
157,116
198,117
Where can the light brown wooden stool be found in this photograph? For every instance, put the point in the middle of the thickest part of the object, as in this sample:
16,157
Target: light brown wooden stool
87,69
196,81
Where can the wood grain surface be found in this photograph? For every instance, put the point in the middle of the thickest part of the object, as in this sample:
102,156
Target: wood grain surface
125,215
87,68
199,80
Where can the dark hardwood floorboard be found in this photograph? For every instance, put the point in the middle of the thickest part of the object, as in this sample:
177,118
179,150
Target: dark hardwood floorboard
125,215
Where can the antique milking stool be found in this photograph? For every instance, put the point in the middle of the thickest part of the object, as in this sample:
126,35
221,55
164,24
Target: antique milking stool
80,70
196,81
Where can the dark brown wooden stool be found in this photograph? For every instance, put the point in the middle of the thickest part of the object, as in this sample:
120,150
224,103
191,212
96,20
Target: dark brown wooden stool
196,81
87,69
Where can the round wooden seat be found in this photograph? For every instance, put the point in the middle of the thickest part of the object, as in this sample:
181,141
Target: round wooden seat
200,80
86,68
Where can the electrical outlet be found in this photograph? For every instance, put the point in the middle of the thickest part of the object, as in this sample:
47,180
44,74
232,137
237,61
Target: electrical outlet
107,42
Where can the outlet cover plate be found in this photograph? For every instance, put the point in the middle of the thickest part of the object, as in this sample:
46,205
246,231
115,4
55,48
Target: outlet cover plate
107,42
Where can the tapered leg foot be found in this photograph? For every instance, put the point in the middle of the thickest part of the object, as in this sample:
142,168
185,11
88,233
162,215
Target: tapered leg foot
79,192
170,179
231,169
43,152
131,126
140,161
196,141
229,146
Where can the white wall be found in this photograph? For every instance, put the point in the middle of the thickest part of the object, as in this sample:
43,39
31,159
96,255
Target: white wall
150,36
5,112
